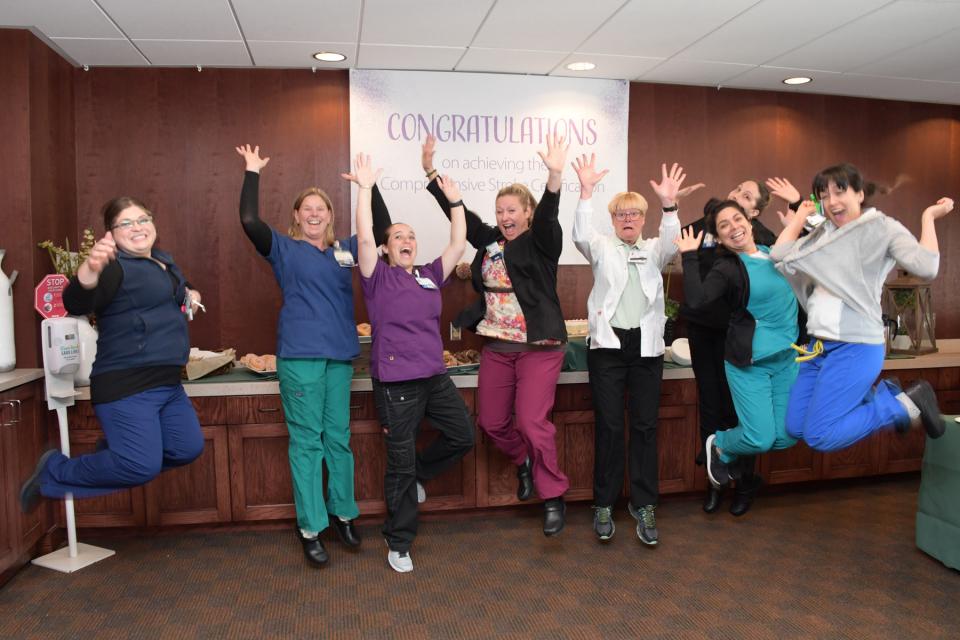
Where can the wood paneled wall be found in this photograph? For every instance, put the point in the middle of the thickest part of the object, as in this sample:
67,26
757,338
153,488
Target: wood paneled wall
37,171
167,136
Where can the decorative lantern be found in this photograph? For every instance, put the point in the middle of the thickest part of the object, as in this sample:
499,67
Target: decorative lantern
909,300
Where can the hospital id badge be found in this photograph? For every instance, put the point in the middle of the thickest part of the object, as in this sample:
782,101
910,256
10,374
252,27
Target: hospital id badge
343,257
493,250
426,283
637,256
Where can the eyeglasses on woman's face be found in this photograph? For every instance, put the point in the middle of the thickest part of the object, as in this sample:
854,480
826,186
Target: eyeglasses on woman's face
126,225
628,214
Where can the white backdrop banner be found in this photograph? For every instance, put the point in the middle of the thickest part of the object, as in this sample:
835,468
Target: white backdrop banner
489,128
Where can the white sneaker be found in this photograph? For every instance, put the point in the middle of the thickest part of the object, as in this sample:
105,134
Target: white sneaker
421,493
400,561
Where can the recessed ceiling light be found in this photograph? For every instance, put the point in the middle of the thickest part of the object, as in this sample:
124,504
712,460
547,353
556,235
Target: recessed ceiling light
329,56
798,80
581,66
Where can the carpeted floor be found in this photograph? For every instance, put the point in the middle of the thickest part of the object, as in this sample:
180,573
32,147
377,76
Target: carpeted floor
836,562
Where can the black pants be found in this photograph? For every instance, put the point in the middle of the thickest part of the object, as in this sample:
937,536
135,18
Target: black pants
402,406
713,394
613,372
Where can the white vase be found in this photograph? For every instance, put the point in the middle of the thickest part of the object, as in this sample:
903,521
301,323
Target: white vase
8,348
88,351
902,342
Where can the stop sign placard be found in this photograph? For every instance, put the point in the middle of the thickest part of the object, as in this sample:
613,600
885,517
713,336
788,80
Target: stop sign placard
48,296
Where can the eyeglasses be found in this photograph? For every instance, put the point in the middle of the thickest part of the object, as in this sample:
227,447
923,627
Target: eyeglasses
629,214
126,225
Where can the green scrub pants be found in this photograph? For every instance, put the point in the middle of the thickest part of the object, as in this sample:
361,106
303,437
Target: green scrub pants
316,399
760,393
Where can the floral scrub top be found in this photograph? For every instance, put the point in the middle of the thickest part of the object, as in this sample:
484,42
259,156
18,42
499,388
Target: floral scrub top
504,318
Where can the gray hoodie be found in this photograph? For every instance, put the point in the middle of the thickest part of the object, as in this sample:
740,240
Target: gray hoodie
838,273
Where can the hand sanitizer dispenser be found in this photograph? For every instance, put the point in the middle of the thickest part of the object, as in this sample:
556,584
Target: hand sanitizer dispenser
61,359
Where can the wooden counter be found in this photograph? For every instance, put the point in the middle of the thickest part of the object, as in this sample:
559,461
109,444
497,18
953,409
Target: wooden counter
243,474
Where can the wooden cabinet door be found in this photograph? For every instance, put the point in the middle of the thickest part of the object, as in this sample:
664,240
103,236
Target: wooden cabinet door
30,436
575,447
860,459
9,504
199,492
261,485
677,442
799,463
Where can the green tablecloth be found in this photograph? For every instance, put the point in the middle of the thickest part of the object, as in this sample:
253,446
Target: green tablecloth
938,505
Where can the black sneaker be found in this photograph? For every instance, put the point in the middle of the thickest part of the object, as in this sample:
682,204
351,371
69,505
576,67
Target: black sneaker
923,395
717,470
603,522
30,490
646,523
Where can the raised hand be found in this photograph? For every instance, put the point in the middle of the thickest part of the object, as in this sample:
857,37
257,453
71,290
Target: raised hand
426,153
587,173
783,189
252,157
683,193
687,240
102,253
669,184
807,208
450,188
556,155
940,209
363,172
99,257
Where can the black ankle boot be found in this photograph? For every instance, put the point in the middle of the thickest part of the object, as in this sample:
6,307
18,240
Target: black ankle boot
744,493
313,549
554,511
524,481
712,500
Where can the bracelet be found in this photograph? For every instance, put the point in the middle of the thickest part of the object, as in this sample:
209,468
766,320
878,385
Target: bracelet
431,173
365,186
458,203
673,207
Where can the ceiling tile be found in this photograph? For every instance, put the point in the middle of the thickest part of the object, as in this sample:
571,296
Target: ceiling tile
174,19
450,23
771,79
299,20
188,53
559,24
936,59
771,28
695,72
875,36
294,55
660,29
377,56
101,53
613,67
510,61
58,18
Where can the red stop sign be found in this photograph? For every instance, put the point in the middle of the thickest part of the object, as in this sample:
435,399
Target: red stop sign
48,296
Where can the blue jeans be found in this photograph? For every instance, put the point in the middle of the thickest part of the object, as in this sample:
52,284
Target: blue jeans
146,433
832,404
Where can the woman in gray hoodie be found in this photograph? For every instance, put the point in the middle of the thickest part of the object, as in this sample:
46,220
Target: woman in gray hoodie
837,272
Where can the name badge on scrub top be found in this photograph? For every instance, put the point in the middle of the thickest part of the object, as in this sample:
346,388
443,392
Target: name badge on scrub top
343,257
708,241
637,255
493,250
426,283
